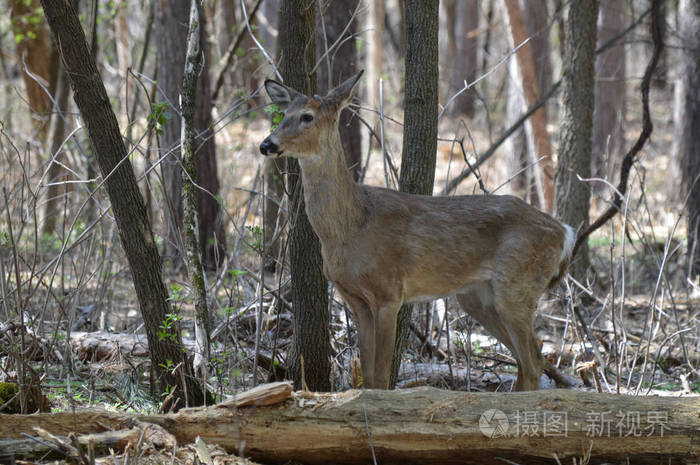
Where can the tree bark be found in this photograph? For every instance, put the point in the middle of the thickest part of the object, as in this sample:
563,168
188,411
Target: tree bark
309,359
531,92
193,64
419,426
129,209
686,130
572,195
273,167
172,18
375,50
464,67
338,65
56,173
609,112
33,48
418,156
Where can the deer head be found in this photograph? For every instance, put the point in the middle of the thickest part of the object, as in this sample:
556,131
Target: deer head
305,118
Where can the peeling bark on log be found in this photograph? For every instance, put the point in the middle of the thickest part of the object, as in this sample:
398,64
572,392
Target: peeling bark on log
426,425
101,442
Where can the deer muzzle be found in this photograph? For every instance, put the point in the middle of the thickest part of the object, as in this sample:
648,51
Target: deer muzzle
269,148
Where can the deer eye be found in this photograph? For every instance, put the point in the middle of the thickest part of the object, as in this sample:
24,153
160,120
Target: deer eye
307,118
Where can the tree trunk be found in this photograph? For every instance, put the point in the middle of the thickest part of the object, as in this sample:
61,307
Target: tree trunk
531,92
129,210
193,259
417,426
273,167
572,195
338,65
464,66
172,18
609,112
212,236
34,49
686,130
309,358
375,52
56,173
519,147
420,122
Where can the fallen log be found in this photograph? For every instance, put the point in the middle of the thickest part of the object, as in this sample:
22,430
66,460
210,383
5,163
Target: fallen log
425,425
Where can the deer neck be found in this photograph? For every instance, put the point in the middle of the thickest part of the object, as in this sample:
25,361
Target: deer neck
333,199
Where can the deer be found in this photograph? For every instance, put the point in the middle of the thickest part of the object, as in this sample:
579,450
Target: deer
382,248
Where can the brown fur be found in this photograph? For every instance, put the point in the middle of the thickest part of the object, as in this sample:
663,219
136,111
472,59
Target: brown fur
382,248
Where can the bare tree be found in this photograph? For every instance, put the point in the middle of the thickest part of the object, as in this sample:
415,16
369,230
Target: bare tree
573,195
462,18
34,50
531,90
609,113
129,209
309,358
418,156
375,53
339,64
688,122
171,28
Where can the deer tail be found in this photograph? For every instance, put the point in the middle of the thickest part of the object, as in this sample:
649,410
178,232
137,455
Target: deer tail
567,250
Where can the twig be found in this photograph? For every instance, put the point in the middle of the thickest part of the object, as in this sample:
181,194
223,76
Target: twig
258,44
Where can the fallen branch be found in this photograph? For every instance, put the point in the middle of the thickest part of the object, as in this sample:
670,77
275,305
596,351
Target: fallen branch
421,425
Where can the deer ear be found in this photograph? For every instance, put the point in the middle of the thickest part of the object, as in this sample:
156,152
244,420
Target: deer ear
343,94
281,95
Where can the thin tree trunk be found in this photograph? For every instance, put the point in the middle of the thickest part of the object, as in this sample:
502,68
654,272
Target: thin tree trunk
56,171
309,357
342,63
686,131
33,49
572,195
212,237
273,168
171,28
418,156
195,272
464,68
129,210
609,112
538,121
375,51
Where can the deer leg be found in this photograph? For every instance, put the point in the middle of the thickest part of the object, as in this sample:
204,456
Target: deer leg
479,304
518,318
530,360
385,340
365,333
365,340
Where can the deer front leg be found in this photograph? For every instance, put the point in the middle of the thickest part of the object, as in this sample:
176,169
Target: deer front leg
364,322
365,340
385,340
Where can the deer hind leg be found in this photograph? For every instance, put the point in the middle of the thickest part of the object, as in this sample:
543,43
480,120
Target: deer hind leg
517,315
479,303
510,326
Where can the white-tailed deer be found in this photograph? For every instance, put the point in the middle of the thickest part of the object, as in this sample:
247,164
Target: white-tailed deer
382,248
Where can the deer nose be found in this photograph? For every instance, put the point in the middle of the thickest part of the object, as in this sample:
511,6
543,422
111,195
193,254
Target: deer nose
268,147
